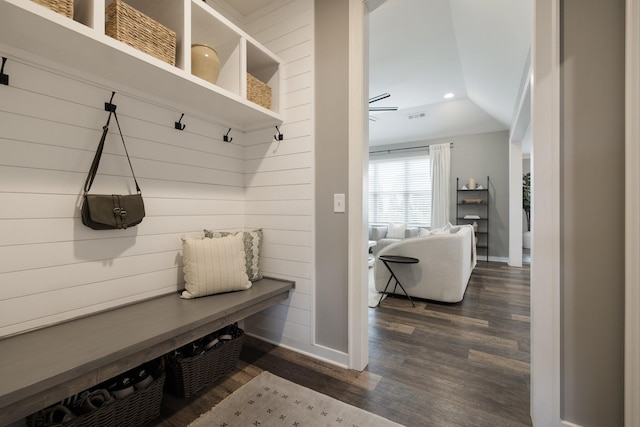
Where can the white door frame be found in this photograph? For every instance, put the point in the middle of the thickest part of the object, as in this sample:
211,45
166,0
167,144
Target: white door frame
358,316
632,227
545,216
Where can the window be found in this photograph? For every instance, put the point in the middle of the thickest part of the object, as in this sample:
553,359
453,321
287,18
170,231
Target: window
400,190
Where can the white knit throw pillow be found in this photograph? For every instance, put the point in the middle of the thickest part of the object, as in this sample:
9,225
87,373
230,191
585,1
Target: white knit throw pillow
212,266
396,231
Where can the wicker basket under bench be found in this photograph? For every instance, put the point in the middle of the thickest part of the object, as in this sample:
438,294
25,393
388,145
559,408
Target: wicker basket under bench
187,375
70,357
134,410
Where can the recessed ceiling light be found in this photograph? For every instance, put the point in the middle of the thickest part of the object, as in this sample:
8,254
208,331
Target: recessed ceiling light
449,95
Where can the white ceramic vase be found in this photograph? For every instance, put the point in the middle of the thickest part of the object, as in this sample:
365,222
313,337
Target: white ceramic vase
205,62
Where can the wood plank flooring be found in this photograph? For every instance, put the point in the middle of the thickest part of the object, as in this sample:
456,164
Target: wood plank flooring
464,364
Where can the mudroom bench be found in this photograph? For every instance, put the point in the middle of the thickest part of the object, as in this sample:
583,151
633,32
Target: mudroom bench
44,366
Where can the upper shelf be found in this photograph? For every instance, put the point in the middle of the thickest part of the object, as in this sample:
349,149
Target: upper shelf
82,44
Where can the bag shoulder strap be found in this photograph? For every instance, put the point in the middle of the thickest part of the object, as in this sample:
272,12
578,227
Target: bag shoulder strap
96,159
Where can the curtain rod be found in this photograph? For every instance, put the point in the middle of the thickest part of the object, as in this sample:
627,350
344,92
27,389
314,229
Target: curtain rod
405,148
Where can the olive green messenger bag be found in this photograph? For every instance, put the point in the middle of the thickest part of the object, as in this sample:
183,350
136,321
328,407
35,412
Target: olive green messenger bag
110,211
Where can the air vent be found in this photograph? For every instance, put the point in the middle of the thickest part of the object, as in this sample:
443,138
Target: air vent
417,115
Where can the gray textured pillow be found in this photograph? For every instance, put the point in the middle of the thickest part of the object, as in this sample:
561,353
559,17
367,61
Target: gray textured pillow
252,246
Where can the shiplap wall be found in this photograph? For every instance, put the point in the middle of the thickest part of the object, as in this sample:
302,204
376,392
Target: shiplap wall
279,178
52,267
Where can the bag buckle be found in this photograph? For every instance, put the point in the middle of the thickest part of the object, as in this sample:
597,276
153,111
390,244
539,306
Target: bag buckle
122,213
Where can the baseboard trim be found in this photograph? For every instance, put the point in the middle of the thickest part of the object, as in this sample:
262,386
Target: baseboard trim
494,259
317,352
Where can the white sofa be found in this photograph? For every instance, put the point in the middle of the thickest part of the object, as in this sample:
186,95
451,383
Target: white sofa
447,258
378,233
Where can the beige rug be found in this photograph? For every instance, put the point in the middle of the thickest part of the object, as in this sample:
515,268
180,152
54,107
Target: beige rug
374,296
270,401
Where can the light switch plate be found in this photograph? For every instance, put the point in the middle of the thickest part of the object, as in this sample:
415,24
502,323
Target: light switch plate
338,203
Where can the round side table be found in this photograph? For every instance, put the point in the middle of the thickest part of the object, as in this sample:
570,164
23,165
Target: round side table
396,259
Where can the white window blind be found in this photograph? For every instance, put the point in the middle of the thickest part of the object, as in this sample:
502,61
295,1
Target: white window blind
400,190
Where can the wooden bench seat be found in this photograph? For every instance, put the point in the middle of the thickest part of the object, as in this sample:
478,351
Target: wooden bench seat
42,367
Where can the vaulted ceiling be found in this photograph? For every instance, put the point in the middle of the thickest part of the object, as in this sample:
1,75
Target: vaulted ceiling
421,50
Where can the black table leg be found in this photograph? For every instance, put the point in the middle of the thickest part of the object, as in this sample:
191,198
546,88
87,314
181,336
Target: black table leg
396,286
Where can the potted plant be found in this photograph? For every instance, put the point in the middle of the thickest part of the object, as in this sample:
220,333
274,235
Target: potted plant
526,207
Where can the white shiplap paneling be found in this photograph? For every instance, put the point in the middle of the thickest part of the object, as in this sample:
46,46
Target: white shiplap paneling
279,178
52,267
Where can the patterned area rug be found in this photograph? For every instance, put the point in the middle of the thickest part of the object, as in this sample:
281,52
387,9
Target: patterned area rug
270,401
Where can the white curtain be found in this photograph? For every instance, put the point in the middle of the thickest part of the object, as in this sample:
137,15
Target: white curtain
440,155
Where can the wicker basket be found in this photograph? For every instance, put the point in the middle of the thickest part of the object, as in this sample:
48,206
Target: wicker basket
258,92
63,7
132,411
186,376
126,24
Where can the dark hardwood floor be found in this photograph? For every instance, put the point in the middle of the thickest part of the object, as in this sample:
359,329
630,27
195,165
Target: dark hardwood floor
464,364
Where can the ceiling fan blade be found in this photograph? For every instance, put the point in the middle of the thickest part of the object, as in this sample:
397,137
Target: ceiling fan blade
383,108
379,97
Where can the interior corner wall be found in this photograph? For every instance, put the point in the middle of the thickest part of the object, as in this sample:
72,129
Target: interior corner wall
331,171
279,178
592,193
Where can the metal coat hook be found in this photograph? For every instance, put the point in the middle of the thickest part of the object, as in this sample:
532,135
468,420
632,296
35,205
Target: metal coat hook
279,136
4,79
109,106
179,124
226,138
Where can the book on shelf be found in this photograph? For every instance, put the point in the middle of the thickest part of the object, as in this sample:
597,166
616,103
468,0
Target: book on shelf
472,217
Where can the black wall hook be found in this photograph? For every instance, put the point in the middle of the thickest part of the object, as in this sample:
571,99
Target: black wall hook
109,106
279,136
226,138
179,124
4,78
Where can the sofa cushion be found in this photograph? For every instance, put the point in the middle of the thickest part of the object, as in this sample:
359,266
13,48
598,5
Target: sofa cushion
423,232
396,231
440,230
411,232
377,232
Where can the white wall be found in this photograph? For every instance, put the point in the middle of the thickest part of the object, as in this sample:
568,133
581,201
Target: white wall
279,177
54,268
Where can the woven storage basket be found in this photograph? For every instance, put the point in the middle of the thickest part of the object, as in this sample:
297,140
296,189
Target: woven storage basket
258,92
186,376
63,7
132,411
126,24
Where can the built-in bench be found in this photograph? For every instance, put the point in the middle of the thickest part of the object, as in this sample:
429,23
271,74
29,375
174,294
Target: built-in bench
42,367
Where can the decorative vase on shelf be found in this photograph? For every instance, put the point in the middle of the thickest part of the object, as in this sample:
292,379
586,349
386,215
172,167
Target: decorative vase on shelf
205,62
